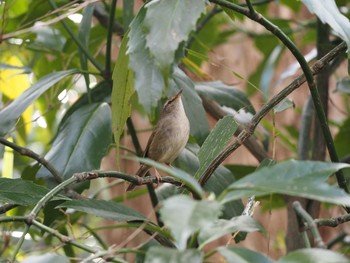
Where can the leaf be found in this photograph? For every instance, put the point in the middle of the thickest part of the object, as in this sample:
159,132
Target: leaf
122,91
170,23
81,142
284,105
185,216
328,12
22,192
128,13
177,173
218,182
199,126
243,255
149,82
10,114
342,139
105,209
163,254
343,85
225,95
313,255
215,143
223,227
296,178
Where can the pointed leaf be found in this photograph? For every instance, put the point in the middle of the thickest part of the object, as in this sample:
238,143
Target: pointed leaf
314,255
169,23
122,91
185,216
215,142
106,209
297,178
225,95
10,114
193,105
162,254
81,142
223,227
243,255
22,192
149,82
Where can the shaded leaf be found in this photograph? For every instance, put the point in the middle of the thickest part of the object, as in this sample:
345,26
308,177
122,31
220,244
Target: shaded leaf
199,126
225,95
314,255
328,12
162,254
215,143
243,255
223,227
178,18
149,82
81,142
105,209
342,139
284,105
10,114
22,192
297,178
185,216
122,91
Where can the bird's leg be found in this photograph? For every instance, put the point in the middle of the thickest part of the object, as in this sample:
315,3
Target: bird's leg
157,175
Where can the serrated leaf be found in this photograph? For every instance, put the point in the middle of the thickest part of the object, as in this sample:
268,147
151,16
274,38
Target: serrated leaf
122,91
313,255
199,126
215,143
223,227
328,12
10,114
81,142
149,82
296,178
105,209
225,95
178,18
185,216
22,192
242,255
163,254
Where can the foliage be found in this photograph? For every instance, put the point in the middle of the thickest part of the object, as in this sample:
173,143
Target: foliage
64,107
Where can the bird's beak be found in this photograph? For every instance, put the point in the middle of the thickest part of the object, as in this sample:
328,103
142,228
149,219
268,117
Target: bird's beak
178,94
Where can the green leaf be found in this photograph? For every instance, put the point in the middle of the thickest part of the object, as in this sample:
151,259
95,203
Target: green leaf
22,192
342,139
328,12
243,255
122,91
218,182
215,143
105,209
185,216
296,178
223,227
128,13
178,18
81,142
225,95
163,254
284,105
177,173
149,82
10,114
199,126
313,255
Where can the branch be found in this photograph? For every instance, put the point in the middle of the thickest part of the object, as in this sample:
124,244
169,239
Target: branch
249,130
332,222
29,153
302,214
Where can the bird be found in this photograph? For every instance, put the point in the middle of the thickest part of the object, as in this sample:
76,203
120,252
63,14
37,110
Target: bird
169,137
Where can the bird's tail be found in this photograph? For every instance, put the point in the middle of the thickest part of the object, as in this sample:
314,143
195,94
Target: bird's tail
141,173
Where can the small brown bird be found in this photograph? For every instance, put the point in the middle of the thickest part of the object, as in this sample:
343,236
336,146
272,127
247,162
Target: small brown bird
169,137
